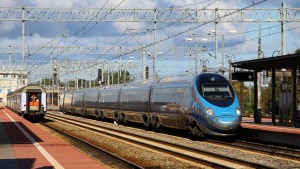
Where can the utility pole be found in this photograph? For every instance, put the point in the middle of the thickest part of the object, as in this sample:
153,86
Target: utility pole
107,74
259,75
23,33
204,68
52,75
229,64
119,65
154,45
216,35
283,28
196,59
143,62
223,69
190,55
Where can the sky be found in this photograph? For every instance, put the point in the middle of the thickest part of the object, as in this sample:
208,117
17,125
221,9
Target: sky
242,45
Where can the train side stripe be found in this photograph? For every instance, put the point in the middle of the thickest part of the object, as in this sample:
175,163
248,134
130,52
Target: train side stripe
51,160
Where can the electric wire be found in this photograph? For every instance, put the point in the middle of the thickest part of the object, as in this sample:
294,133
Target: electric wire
162,40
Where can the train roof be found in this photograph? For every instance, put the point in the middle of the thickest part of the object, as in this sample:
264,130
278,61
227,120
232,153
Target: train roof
30,88
181,79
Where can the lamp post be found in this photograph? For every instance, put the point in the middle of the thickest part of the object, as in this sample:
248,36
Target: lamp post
196,50
134,64
229,63
216,46
153,64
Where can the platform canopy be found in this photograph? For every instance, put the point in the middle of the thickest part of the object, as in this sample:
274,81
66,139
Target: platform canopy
286,61
292,62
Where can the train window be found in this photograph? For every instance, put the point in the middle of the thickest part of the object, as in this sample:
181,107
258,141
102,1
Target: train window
216,91
33,99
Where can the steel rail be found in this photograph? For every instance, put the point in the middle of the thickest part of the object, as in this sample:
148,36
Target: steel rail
188,153
120,160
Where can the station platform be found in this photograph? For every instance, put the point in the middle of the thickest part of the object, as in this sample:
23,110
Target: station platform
23,145
266,131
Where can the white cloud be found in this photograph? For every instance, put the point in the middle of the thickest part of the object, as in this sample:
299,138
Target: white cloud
8,3
7,27
55,3
134,3
247,50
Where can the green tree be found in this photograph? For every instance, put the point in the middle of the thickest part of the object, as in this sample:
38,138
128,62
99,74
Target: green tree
245,95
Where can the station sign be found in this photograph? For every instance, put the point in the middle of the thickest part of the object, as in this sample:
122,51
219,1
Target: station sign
242,76
287,73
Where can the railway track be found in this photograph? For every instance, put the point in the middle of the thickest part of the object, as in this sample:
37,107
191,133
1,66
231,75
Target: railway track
276,151
180,151
99,151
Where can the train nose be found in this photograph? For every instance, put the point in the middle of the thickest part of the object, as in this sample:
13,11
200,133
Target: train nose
227,124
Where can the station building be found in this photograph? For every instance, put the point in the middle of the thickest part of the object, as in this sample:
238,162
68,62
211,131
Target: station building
11,80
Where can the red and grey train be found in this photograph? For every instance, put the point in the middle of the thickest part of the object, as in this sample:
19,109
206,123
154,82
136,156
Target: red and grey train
29,101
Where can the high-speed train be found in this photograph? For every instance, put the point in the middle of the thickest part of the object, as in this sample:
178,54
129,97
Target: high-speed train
29,101
205,104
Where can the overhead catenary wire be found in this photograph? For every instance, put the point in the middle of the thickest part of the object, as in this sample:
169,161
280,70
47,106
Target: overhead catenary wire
180,33
151,30
84,29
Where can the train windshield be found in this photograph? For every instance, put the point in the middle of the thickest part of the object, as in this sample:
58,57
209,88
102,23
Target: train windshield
216,91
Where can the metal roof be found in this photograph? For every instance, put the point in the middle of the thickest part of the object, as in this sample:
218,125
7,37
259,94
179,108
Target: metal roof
278,62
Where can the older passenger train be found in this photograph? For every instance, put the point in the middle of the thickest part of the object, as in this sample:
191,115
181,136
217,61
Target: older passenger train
205,104
29,101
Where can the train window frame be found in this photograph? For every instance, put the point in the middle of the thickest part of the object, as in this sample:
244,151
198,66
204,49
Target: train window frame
163,95
216,93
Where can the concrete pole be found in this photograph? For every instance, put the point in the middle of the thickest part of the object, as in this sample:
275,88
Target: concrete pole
112,76
196,59
229,63
216,34
223,69
23,33
107,74
259,73
119,71
190,55
52,80
143,62
77,85
283,28
154,56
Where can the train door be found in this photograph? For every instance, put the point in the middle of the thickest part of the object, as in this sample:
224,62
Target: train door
33,101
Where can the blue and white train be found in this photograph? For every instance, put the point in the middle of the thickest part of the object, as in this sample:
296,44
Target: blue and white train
205,104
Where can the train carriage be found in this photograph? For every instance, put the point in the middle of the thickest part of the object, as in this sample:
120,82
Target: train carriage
202,105
29,101
171,103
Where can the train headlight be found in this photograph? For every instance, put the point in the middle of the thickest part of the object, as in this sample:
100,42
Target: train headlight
210,112
238,112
